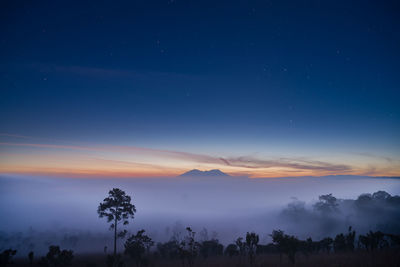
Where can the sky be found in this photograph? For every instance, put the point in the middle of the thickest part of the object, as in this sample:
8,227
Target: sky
156,88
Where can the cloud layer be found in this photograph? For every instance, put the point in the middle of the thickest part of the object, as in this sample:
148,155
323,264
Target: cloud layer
77,159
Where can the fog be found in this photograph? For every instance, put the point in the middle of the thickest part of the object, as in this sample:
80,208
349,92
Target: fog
39,211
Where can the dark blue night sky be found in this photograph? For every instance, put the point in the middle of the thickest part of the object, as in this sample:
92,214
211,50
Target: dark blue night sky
270,80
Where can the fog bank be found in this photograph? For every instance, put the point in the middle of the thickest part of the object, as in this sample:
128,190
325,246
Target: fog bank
38,211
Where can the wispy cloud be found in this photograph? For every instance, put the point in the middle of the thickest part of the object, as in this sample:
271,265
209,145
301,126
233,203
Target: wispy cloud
77,147
244,162
15,135
369,155
251,162
113,73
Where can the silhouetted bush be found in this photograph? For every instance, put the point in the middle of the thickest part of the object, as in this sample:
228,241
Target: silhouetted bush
57,258
6,257
168,250
252,240
286,244
211,248
373,240
114,261
344,242
137,246
325,245
232,250
30,257
241,246
188,247
394,240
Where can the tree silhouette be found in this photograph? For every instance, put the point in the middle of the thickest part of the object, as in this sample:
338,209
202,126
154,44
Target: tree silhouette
373,240
30,257
344,242
308,246
188,247
277,239
114,261
211,248
169,249
339,244
137,246
231,250
117,208
251,246
381,195
326,244
350,237
327,203
6,256
287,244
394,240
57,258
241,245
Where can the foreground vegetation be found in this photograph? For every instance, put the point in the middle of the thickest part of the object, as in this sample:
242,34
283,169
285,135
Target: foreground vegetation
344,259
345,249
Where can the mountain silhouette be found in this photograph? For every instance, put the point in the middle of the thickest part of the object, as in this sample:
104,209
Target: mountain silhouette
210,173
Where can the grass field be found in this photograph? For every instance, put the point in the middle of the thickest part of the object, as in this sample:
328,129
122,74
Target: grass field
386,258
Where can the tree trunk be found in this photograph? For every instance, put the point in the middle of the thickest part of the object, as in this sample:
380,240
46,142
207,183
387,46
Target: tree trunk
115,238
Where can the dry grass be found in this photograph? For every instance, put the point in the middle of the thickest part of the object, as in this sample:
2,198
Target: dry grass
354,259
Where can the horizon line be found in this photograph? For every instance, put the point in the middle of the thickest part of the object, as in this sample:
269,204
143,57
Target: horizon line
105,176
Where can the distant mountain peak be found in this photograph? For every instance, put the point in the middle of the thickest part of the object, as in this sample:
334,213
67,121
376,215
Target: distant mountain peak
198,173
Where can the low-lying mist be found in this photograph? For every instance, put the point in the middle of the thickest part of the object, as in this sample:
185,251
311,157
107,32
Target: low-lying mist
39,211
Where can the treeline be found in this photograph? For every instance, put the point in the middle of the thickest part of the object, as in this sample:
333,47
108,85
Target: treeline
143,251
248,247
329,215
140,248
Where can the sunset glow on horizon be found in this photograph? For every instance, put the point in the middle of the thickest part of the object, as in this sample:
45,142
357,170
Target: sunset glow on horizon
94,160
